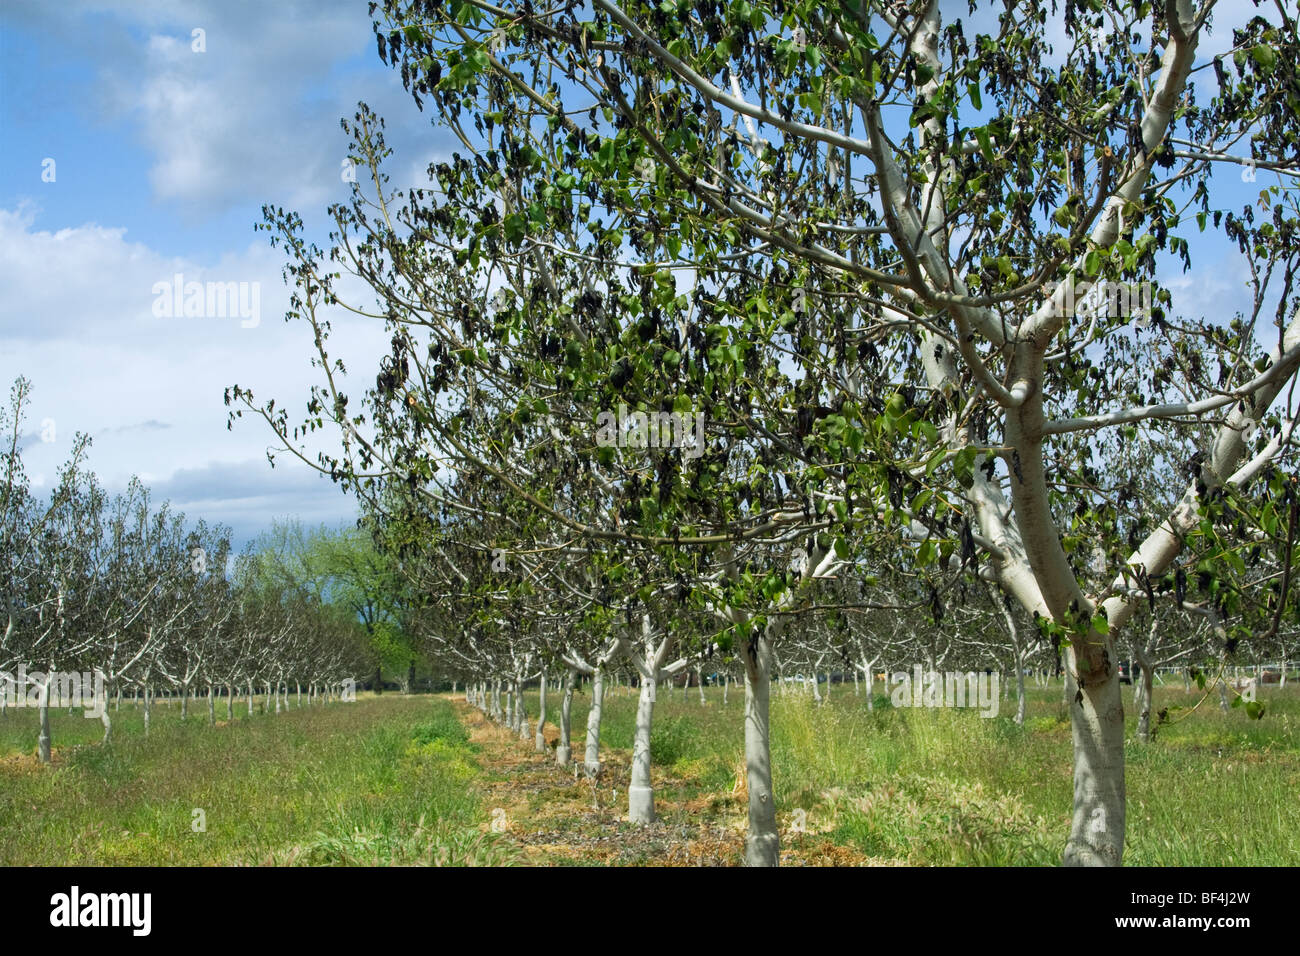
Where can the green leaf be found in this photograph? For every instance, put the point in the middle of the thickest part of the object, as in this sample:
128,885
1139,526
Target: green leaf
1264,55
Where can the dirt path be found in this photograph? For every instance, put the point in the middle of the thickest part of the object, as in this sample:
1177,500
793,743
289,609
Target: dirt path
557,817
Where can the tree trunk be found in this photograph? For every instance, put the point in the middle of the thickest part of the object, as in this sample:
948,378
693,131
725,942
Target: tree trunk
521,711
726,684
640,792
1143,688
212,708
148,709
1097,729
43,741
564,751
540,744
763,843
1020,690
699,676
185,702
250,698
592,762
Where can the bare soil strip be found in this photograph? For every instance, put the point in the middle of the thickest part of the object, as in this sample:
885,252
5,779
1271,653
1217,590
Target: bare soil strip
558,817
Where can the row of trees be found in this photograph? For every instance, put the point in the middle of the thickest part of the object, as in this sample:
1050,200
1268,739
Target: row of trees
844,245
121,586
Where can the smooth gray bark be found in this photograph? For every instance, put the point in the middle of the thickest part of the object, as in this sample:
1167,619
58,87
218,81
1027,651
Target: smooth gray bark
564,751
43,741
763,842
640,792
540,743
1097,729
591,763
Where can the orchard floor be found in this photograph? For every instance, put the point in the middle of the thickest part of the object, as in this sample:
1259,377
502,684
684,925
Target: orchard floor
423,780
910,787
557,816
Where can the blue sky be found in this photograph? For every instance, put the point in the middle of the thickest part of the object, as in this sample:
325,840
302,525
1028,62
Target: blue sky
163,156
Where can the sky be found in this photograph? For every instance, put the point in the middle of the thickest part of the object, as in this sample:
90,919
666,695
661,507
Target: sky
136,150
140,141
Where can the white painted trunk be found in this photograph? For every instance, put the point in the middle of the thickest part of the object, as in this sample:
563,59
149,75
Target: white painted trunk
43,741
564,751
763,843
591,763
521,711
640,792
540,743
1097,728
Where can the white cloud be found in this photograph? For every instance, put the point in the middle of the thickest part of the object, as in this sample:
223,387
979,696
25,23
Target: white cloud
77,322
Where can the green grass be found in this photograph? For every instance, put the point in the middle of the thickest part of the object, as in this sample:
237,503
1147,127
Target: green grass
946,787
395,780
385,780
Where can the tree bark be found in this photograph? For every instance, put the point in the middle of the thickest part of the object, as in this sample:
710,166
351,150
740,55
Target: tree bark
540,743
640,792
564,752
43,741
1097,729
592,762
763,842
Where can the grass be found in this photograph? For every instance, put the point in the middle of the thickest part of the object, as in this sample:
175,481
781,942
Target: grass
396,780
946,787
385,780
